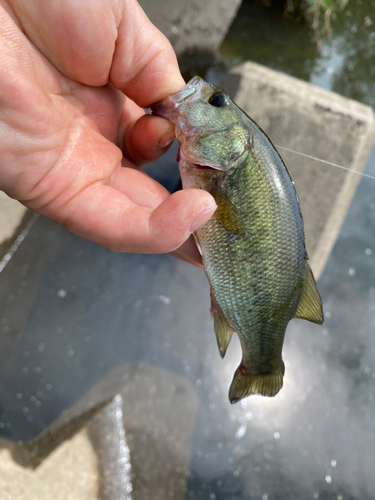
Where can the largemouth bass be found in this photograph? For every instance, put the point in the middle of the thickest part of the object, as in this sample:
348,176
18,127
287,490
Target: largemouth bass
253,247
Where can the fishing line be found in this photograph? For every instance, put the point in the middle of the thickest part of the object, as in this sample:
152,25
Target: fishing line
327,162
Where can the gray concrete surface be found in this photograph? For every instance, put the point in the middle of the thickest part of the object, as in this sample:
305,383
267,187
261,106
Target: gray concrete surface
315,122
195,28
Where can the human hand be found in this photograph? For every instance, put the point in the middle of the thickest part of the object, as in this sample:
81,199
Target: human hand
74,79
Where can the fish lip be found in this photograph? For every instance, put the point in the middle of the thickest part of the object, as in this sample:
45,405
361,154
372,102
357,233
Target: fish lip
182,95
167,108
191,88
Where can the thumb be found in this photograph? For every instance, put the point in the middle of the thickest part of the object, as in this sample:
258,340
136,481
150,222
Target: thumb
144,64
174,220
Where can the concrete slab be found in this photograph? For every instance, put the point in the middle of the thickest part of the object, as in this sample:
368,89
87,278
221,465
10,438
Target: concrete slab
193,27
315,122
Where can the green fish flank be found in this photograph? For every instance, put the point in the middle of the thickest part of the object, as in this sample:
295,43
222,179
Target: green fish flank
253,247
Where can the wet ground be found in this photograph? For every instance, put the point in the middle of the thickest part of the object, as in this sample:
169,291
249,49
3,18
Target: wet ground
72,311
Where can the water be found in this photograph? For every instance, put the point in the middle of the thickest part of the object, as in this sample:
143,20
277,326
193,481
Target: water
345,63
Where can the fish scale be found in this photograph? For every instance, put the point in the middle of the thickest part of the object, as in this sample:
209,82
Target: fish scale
253,247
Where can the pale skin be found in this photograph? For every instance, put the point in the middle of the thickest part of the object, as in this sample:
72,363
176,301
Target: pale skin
75,76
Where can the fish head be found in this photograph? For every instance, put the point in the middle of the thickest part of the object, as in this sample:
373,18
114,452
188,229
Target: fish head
209,125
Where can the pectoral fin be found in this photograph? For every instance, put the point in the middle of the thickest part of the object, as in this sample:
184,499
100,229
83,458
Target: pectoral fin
226,213
223,331
310,304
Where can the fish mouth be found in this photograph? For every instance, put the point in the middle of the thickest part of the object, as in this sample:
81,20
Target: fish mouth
189,90
167,107
182,95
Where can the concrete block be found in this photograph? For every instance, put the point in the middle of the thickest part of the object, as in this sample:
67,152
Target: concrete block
69,472
106,446
12,218
192,26
315,122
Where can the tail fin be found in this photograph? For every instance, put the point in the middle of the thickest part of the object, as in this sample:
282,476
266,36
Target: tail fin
245,384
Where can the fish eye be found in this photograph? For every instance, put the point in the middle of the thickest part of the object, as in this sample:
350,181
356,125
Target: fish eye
219,99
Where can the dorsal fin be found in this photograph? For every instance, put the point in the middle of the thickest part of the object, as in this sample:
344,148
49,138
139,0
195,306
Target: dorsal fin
310,304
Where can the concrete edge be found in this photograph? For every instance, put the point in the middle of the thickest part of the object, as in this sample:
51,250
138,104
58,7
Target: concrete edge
297,88
342,204
340,105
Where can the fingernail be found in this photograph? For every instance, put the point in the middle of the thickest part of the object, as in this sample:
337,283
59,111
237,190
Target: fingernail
167,137
203,217
166,141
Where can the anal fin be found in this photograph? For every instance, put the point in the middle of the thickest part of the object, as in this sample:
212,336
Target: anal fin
310,304
223,330
246,384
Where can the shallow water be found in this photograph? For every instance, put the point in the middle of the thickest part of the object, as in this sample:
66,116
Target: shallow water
345,63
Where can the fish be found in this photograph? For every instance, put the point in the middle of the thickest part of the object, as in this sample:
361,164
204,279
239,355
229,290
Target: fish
253,247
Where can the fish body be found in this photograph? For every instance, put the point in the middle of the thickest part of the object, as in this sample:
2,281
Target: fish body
253,247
